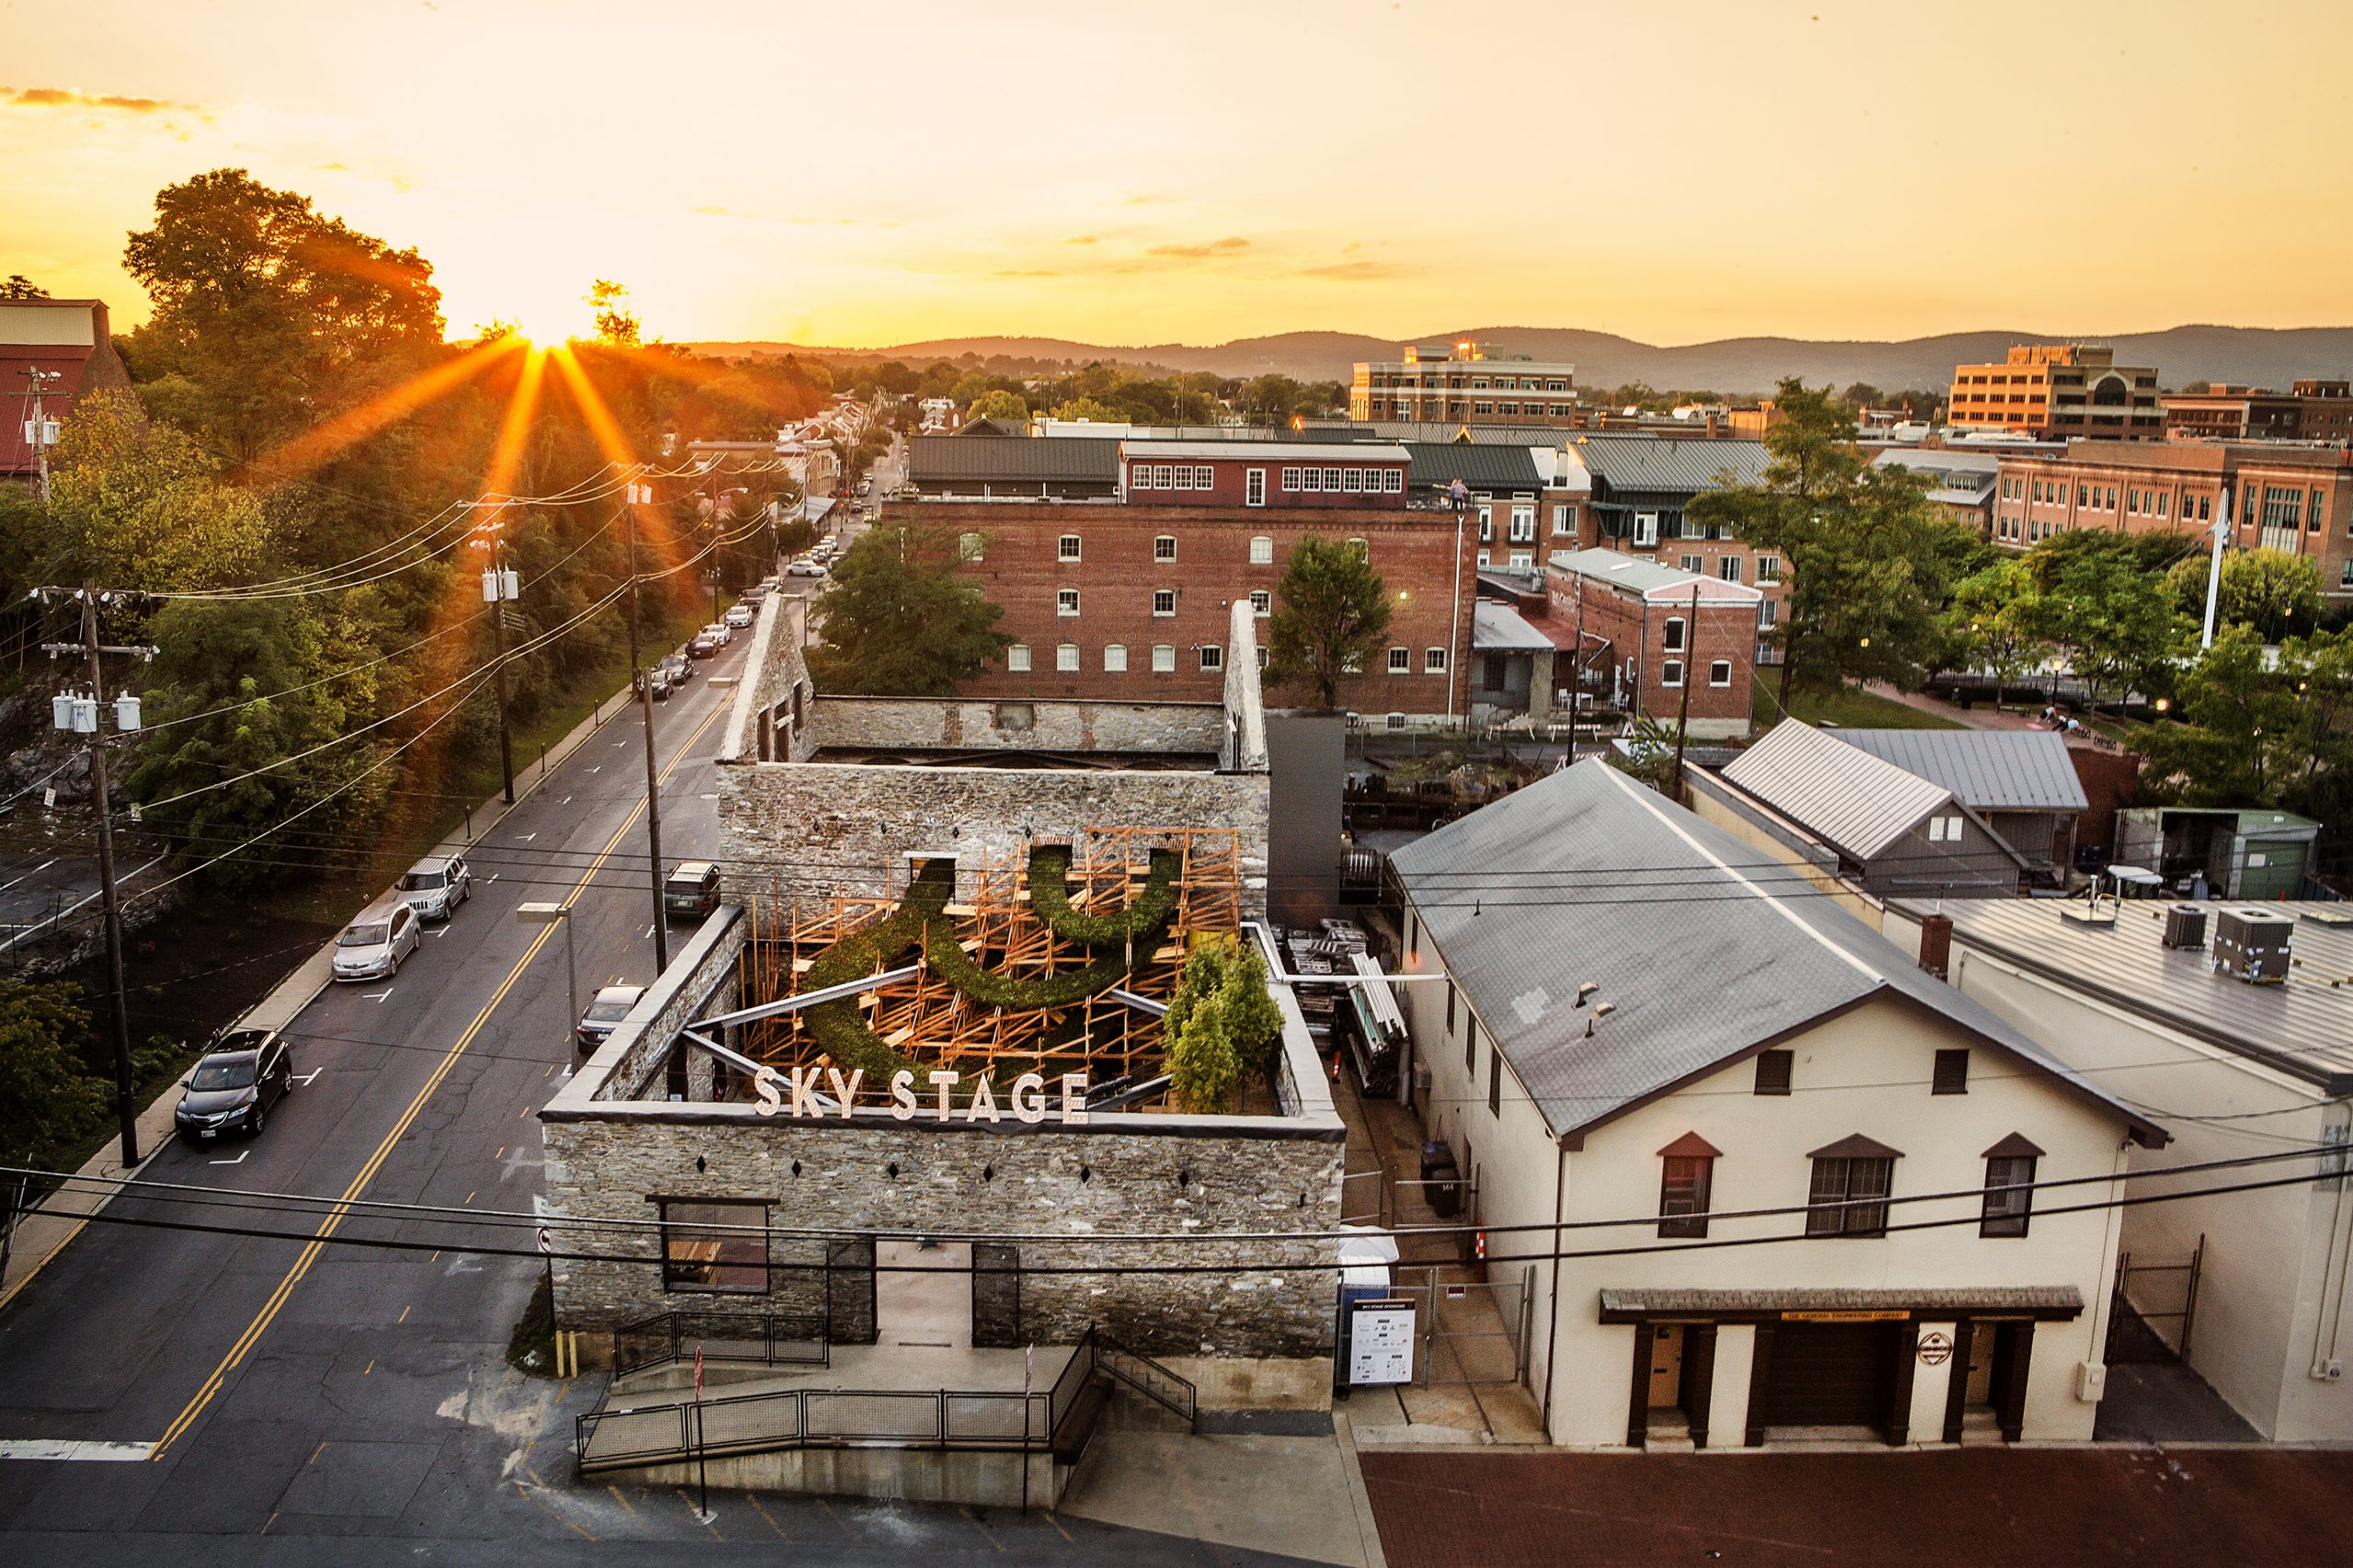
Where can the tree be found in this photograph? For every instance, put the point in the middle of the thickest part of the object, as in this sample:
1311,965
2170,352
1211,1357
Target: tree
1996,621
2115,617
1867,558
2250,731
617,324
2276,594
998,403
46,1099
1222,1027
137,504
1332,614
19,287
1090,408
901,618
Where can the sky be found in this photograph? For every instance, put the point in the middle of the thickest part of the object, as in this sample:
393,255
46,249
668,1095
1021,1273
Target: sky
860,174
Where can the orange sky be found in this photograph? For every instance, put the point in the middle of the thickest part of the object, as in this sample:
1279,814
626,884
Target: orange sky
857,174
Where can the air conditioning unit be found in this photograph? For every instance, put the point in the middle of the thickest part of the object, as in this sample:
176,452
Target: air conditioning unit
2251,946
2186,927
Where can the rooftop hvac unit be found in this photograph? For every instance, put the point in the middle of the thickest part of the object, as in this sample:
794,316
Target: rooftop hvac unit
2186,927
2251,946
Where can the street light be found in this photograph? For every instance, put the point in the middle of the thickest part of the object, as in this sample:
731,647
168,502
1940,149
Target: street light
557,915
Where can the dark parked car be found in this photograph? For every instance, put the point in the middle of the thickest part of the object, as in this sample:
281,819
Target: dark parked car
706,644
604,1015
692,890
658,680
677,666
235,1083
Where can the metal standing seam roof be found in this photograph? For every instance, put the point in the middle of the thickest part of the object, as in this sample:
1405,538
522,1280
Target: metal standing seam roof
1669,462
1273,451
1654,580
1438,464
1858,802
1987,770
1013,459
1499,629
1709,950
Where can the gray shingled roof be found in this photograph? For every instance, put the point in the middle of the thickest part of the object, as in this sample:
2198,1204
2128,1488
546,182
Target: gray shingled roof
1438,464
1856,801
1988,770
1668,463
1499,629
1013,459
1710,949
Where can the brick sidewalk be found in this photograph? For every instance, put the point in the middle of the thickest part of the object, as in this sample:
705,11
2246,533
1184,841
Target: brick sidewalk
1966,1508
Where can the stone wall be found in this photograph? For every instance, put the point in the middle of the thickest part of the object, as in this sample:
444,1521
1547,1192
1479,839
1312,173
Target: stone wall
1197,728
625,1064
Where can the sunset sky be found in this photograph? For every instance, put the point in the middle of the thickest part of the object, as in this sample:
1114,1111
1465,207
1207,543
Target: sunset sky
864,173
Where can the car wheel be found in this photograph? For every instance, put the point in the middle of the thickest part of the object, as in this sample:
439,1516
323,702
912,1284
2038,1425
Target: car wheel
253,1123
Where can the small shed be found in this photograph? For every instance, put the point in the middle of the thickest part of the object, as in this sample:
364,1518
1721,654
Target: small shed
2241,852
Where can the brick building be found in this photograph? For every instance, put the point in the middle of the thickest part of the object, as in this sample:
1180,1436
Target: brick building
1637,488
2059,389
2309,411
67,341
1469,384
2297,499
1643,642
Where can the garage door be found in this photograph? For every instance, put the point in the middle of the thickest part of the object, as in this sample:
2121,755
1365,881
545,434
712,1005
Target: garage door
1830,1374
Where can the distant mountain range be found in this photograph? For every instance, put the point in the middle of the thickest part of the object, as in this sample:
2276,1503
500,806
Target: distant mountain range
2266,356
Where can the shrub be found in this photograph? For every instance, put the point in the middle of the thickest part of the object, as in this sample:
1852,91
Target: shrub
1050,896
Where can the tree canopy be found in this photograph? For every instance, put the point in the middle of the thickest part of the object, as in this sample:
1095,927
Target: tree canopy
2276,594
1331,615
901,618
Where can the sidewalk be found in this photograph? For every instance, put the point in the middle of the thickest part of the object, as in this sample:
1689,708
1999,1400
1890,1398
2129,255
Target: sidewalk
46,1229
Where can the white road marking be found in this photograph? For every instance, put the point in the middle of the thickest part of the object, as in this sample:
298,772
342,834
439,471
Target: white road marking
307,1078
70,1449
527,838
649,932
493,876
35,871
599,769
377,997
238,1161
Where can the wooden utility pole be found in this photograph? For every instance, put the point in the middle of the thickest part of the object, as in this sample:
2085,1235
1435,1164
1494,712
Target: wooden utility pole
638,494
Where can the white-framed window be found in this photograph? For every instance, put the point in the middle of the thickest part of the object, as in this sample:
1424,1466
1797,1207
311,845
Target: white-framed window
1352,481
1262,603
1523,560
1944,829
1719,672
1728,568
1164,548
1253,487
1311,479
1066,601
1265,654
1352,663
1433,660
1331,479
1017,658
1164,657
1401,661
1139,476
1204,477
1768,569
1646,529
1262,551
1486,524
1672,639
1688,563
1670,672
1066,548
1164,477
1364,551
1392,482
1213,657
969,546
1115,658
1164,601
1066,657
1564,521
1523,525
1291,479
1483,563
1184,477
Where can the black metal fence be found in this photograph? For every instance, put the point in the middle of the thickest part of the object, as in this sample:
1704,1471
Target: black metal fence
767,1338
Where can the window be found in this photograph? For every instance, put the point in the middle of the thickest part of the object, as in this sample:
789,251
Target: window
1523,560
1164,548
1164,601
1392,482
1163,658
1115,658
1719,672
1017,658
1066,549
1164,477
1728,568
1494,1083
1670,672
1674,634
1433,660
1262,551
1450,1007
1400,660
1262,603
1564,521
1944,829
1768,613
1851,1181
1139,476
1311,479
1291,479
1687,1170
1773,1072
1768,569
1471,1047
1204,477
1266,655
1486,524
718,1245
1066,657
1066,601
969,546
1688,563
1951,1074
1523,525
1364,551
1332,479
1213,657
1253,487
1352,481
2009,1165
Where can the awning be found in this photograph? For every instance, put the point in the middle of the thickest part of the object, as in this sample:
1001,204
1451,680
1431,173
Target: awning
1637,1304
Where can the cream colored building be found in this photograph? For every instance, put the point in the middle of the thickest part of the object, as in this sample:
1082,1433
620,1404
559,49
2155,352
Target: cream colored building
1655,1041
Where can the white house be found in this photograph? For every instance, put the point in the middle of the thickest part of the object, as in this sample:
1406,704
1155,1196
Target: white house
2237,1070
1775,1178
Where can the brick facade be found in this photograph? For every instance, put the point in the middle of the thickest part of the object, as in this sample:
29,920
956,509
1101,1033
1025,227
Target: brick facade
1657,646
1263,474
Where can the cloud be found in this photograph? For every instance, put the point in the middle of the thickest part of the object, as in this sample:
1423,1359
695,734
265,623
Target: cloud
1026,272
1081,240
72,98
1358,271
715,212
335,168
1231,244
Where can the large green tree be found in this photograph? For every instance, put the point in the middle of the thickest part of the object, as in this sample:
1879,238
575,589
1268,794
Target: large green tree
1996,620
2276,594
998,403
1331,615
2105,604
1868,560
2251,729
136,503
902,619
46,1099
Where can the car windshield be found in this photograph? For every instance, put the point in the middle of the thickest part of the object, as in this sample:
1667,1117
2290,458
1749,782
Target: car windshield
422,881
608,1012
223,1072
372,934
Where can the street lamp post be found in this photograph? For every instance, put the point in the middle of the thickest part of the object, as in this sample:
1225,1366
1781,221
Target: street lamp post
557,915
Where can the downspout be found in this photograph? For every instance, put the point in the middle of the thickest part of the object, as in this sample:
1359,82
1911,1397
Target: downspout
2338,1257
1454,630
1553,1302
2110,1233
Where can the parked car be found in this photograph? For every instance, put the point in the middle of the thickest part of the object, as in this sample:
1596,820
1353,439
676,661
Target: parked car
611,1005
655,680
804,569
756,593
705,645
436,885
373,946
738,616
691,889
677,667
720,629
235,1084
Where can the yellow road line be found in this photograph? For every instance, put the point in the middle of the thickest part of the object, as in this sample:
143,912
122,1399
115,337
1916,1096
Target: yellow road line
619,1498
532,1498
754,1502
359,1183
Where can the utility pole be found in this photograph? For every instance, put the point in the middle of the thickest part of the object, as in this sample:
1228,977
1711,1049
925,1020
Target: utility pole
500,588
2214,566
40,431
81,714
642,495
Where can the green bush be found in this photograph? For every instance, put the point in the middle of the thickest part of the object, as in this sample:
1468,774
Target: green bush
1223,1027
1050,896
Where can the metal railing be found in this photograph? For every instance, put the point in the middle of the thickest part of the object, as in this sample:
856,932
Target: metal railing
769,1338
614,1439
1146,1376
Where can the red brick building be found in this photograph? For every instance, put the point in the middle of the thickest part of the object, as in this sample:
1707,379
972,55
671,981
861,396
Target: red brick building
2296,499
2309,411
69,343
1644,644
1132,599
2059,389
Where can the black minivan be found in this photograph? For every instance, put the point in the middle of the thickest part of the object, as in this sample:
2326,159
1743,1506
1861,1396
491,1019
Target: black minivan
235,1083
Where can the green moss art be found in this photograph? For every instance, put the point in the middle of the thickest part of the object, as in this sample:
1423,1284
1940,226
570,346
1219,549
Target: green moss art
1050,896
837,1024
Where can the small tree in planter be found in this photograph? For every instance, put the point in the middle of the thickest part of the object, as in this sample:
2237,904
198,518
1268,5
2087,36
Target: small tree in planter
1223,1027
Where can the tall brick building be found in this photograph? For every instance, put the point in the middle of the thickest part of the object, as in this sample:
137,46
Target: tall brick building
1129,598
1469,385
1653,636
2059,389
2309,411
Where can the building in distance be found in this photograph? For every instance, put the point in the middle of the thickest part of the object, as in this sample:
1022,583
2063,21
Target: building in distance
1468,384
2059,388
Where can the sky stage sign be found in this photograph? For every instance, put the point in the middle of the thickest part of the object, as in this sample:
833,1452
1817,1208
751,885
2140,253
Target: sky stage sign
811,1091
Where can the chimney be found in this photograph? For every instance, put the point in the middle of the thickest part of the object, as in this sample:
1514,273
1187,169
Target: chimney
1936,944
1712,431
